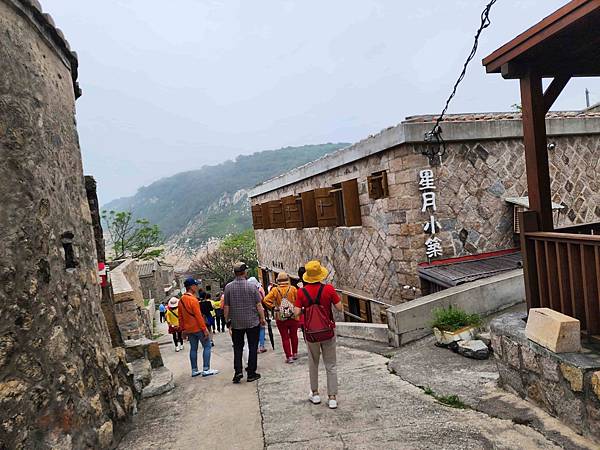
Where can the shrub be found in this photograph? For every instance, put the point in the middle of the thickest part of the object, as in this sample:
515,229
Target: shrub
452,319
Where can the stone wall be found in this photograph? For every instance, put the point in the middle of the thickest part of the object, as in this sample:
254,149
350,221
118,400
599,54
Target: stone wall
130,311
381,257
567,385
62,386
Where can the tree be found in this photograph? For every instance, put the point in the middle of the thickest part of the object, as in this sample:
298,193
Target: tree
129,237
218,264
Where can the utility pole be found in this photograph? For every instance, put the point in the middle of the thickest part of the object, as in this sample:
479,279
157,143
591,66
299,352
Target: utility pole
587,97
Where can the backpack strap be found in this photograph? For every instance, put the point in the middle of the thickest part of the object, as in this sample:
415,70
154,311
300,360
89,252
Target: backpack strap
317,298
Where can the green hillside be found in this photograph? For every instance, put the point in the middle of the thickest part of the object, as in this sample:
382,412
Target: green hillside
203,197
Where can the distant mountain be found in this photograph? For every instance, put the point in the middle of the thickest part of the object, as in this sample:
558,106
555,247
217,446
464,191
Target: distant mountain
211,202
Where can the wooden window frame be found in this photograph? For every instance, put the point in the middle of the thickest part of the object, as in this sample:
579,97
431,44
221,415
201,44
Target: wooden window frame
292,211
378,185
276,214
309,209
326,208
351,201
266,216
257,217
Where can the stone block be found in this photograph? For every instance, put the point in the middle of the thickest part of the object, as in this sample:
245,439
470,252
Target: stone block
497,345
549,368
574,375
557,332
596,384
511,352
475,349
162,382
154,355
529,359
510,379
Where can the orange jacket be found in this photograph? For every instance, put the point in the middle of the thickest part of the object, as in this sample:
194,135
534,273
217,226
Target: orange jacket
190,316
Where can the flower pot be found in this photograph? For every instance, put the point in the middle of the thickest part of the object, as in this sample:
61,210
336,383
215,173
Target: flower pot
447,337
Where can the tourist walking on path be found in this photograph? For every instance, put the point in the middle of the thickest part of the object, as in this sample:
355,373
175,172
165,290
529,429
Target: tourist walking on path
317,299
281,299
245,315
172,316
161,310
194,327
262,332
207,309
219,316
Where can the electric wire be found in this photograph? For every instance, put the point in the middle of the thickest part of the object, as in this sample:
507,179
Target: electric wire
436,132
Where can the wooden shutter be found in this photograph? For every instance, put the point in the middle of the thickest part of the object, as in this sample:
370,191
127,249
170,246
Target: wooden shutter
378,185
309,209
276,214
292,210
266,216
257,217
352,217
326,208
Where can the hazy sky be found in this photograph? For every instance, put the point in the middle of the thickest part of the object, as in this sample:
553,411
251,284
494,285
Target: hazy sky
171,86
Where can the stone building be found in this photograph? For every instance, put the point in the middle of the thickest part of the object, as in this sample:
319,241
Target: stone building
156,279
367,211
62,385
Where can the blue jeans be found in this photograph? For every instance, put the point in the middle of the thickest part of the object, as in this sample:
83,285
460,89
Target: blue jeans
261,337
206,349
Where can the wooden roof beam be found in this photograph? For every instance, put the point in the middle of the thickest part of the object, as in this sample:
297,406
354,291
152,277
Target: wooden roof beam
554,90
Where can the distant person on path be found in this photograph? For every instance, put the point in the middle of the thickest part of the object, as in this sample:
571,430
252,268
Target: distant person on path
261,336
193,325
245,316
282,299
207,309
172,316
219,315
317,299
161,310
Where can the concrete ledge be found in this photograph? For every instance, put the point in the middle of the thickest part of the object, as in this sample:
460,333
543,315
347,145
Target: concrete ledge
366,331
412,320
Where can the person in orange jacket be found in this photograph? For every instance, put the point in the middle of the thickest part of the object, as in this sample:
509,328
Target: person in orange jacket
193,326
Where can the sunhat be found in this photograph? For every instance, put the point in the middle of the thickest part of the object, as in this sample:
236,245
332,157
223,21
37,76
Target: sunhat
315,272
173,302
283,278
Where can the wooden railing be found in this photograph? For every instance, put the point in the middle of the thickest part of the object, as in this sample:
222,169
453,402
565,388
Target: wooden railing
562,272
586,228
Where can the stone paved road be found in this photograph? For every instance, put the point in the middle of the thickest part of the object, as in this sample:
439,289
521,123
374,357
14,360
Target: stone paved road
376,410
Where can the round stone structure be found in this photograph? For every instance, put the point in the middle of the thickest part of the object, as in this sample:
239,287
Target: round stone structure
62,385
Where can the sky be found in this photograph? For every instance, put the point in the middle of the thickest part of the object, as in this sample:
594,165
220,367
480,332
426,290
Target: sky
172,86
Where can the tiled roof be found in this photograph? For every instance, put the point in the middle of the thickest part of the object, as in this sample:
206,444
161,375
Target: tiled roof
145,268
458,272
476,117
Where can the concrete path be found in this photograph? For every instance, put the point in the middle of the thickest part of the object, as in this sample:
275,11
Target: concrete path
376,410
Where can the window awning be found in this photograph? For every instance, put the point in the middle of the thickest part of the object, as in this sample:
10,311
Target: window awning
524,202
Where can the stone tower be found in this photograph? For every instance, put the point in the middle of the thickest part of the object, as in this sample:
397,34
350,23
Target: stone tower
62,385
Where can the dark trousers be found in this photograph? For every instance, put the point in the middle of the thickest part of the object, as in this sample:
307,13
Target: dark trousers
220,322
177,338
238,349
162,317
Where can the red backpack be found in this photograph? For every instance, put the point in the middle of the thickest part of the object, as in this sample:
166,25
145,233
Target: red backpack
317,321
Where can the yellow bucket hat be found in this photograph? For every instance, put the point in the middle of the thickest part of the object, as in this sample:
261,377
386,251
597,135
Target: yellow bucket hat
315,272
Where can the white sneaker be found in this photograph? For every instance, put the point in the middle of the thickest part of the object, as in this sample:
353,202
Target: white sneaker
332,403
209,372
177,348
314,398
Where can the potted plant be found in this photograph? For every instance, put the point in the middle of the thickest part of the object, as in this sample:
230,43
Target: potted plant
453,324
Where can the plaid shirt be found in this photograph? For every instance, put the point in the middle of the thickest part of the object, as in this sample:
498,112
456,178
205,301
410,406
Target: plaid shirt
242,298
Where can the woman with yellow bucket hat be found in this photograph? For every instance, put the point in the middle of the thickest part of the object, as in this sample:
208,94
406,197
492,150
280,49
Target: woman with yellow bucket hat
317,299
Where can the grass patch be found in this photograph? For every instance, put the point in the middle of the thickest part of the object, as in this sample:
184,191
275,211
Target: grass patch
453,401
146,302
452,319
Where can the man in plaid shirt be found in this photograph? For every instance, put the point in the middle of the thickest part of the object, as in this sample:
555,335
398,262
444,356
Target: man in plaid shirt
244,315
